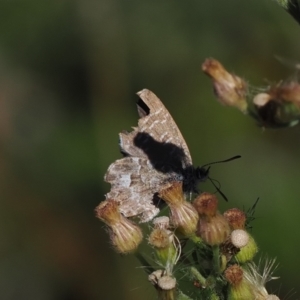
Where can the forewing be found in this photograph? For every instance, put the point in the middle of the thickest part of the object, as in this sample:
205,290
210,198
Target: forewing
156,132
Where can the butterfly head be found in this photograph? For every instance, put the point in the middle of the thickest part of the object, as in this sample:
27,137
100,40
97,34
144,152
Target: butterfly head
202,173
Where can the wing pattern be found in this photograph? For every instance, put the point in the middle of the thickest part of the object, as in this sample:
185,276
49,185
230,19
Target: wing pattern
155,154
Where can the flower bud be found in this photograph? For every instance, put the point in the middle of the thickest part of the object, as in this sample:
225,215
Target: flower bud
124,234
206,204
239,238
230,89
166,283
279,105
212,227
247,252
239,288
183,215
236,218
213,231
162,241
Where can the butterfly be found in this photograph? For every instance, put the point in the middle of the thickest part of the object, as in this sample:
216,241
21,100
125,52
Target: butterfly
155,155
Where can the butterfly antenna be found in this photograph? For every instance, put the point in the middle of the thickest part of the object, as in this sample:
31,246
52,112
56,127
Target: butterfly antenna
218,189
222,161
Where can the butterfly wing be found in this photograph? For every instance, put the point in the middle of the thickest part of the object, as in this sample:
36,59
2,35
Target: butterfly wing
155,153
133,183
155,127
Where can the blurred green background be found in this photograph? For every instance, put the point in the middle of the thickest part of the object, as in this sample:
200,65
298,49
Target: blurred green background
69,71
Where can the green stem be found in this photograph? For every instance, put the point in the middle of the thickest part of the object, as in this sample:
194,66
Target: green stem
197,275
216,258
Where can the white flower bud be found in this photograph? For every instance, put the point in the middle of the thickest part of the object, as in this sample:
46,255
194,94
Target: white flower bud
166,283
239,238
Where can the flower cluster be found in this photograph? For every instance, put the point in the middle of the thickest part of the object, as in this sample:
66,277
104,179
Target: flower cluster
275,106
199,252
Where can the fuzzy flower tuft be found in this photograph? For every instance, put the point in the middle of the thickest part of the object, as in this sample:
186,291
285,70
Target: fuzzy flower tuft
160,238
239,238
236,218
206,204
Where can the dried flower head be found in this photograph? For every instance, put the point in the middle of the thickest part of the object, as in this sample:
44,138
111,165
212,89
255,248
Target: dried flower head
124,234
230,89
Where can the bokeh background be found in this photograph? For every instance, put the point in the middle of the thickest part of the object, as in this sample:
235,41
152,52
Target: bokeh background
69,71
